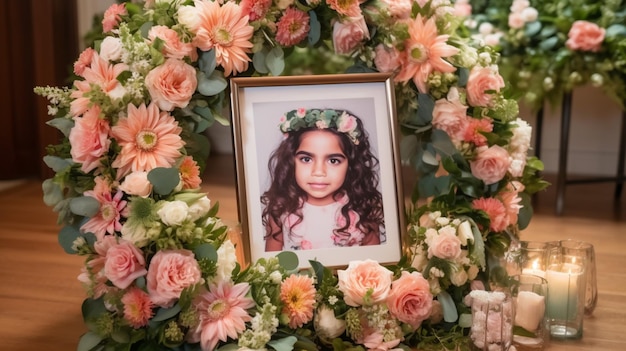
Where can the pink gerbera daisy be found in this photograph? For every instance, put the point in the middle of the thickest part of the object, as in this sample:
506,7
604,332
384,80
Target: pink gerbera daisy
226,30
107,220
498,216
222,313
298,296
189,173
293,27
137,307
424,53
148,138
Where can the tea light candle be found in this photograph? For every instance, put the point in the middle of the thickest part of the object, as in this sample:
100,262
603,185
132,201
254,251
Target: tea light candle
534,270
532,308
563,290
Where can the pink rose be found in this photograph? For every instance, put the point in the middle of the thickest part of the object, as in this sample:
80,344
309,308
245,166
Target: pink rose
171,84
410,299
169,273
89,139
400,9
516,20
124,263
585,36
364,282
137,183
446,245
347,35
482,83
450,115
346,123
386,59
462,8
173,47
490,164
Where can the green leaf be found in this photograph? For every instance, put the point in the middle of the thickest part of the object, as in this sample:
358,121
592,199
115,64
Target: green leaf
62,124
85,206
526,212
57,164
258,61
275,60
284,344
67,236
206,251
548,44
93,309
166,313
211,85
425,108
288,260
442,143
533,28
164,180
121,336
465,320
52,193
88,342
207,62
517,330
450,313
616,30
478,249
315,28
318,269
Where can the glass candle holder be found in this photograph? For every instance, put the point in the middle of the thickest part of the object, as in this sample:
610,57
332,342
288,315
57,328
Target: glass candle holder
591,284
492,320
530,330
529,257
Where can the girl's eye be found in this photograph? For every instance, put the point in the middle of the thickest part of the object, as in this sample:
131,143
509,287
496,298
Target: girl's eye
334,161
305,159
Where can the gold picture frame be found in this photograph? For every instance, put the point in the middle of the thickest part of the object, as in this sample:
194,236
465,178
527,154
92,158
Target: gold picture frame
257,106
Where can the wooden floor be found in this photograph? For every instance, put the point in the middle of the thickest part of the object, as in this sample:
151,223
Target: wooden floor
40,297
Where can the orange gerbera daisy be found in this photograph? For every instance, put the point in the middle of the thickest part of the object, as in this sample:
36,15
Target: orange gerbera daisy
424,53
298,296
226,30
148,138
189,173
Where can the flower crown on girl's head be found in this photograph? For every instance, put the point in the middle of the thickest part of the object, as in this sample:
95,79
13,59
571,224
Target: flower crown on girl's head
340,120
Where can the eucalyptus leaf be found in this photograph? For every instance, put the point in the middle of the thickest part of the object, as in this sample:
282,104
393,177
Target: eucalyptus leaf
408,148
163,314
93,308
207,62
617,31
450,313
85,206
430,158
258,61
206,251
465,320
549,43
67,236
62,124
284,344
121,336
315,28
145,29
288,260
426,105
88,342
211,85
478,249
275,60
526,212
163,180
56,163
52,192
442,143
533,28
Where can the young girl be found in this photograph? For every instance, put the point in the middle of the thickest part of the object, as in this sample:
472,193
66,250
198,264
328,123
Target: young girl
324,184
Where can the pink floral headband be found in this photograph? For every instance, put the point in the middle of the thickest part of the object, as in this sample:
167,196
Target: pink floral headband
340,120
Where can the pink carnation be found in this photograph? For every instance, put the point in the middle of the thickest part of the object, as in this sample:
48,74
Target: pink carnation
475,129
490,164
410,299
170,272
84,61
112,17
89,139
137,307
498,217
124,263
585,36
293,27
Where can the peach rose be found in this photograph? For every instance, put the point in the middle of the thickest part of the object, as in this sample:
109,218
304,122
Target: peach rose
410,299
173,47
491,164
450,115
483,80
585,36
446,245
171,84
347,35
170,272
124,263
386,59
516,20
89,139
137,183
364,282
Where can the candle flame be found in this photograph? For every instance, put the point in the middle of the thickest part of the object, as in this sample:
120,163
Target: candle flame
535,264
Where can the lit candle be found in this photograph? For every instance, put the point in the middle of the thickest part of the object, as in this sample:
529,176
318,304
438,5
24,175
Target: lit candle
563,285
534,270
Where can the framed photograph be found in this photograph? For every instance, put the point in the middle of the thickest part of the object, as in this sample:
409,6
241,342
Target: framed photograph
318,169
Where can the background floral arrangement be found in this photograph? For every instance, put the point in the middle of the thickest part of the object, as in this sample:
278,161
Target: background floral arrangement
160,271
551,47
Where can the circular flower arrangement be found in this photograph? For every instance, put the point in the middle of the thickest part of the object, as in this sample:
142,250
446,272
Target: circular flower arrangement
160,271
551,47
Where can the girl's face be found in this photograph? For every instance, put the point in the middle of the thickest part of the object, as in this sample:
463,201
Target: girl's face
321,166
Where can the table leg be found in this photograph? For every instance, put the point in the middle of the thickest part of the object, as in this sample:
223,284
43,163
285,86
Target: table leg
620,162
566,114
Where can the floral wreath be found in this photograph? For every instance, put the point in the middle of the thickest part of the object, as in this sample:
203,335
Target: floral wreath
342,121
160,266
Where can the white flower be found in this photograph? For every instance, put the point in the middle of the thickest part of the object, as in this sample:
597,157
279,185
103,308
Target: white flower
327,325
276,277
464,232
111,49
136,234
226,261
199,208
459,276
485,28
188,16
173,213
137,183
530,14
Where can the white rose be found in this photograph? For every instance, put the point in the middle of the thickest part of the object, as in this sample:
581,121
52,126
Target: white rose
520,142
530,14
173,213
327,325
464,232
485,28
137,234
137,183
111,49
187,16
226,261
199,208
276,277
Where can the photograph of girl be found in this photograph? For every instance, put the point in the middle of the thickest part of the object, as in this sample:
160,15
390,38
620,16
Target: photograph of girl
324,181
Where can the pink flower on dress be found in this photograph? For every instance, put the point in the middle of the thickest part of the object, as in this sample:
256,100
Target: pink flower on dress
137,307
170,272
364,283
410,299
494,208
173,47
482,85
297,293
222,313
112,17
171,84
225,29
490,164
292,27
124,263
585,36
255,9
189,173
89,139
148,138
349,33
424,53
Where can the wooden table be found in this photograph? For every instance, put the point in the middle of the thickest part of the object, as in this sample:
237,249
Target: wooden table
40,297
